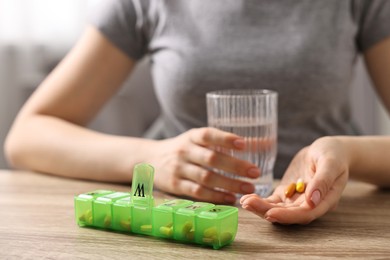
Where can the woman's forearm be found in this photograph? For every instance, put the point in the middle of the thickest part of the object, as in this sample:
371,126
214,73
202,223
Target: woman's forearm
369,158
51,145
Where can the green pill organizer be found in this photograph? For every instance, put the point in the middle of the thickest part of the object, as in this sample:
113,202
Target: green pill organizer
179,219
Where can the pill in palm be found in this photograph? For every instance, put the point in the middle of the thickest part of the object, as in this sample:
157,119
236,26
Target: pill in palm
289,192
300,186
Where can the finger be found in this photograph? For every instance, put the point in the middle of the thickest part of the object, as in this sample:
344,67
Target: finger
302,213
212,179
327,171
257,205
274,198
243,198
209,136
195,190
279,197
213,137
210,158
293,215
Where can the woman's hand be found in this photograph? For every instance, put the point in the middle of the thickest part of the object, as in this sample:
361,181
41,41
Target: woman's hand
324,167
186,165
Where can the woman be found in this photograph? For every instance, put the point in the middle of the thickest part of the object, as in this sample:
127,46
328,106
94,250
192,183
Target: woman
304,50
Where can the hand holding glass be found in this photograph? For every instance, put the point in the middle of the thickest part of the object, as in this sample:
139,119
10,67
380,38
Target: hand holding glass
252,114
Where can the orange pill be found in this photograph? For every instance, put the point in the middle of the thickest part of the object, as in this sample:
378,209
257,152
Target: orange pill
289,192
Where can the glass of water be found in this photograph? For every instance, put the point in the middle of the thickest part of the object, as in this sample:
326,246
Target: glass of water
252,114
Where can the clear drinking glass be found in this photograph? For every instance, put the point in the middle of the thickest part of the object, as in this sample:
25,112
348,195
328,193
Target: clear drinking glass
252,114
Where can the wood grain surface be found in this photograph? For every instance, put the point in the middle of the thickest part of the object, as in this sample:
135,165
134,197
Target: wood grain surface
37,222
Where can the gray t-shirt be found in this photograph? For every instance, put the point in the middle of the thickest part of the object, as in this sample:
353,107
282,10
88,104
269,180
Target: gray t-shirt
305,50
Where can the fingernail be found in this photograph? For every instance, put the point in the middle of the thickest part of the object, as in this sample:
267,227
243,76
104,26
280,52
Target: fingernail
230,199
271,219
247,188
316,197
239,143
247,207
243,198
253,172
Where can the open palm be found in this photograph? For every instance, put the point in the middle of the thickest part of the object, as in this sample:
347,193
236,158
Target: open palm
324,168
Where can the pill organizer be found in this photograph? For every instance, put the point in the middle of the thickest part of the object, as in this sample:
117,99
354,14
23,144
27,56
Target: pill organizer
135,212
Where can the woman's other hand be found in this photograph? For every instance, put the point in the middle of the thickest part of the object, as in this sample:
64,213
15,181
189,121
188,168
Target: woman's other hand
324,167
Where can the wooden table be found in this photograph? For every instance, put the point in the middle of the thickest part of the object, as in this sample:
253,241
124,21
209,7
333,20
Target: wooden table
37,221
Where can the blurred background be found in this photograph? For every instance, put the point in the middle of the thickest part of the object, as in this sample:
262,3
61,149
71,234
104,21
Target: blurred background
36,34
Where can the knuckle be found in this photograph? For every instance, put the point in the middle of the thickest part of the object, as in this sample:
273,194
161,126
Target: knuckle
175,167
211,157
197,191
205,133
175,182
205,177
181,151
174,177
193,132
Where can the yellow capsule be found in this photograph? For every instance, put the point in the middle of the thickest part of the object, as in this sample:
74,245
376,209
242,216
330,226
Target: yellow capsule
187,227
146,228
210,232
87,217
210,235
300,187
107,221
210,240
190,235
84,217
125,224
225,237
88,213
289,192
168,231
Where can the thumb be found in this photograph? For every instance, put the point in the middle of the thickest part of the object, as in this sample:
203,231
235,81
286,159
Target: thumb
319,186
